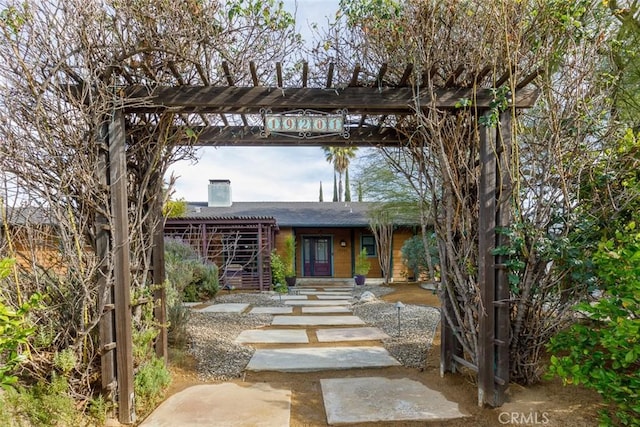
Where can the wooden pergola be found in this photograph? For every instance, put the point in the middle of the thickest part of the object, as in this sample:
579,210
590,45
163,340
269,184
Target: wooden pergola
379,111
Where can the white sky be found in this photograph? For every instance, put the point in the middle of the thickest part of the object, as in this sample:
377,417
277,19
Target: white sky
264,173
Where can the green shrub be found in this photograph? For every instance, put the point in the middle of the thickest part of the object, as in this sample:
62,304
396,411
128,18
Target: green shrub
289,257
188,277
150,383
15,329
46,404
277,269
178,319
415,256
604,355
363,265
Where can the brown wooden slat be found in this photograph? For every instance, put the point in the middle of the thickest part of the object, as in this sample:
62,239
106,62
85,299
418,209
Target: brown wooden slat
305,73
254,73
202,74
451,81
108,347
279,74
354,76
406,75
505,76
176,73
522,83
381,72
209,99
227,73
330,75
477,79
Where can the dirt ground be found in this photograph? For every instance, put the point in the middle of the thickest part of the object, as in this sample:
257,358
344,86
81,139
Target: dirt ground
548,403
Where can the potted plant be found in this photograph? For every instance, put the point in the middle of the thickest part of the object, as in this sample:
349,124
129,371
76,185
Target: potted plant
362,267
289,260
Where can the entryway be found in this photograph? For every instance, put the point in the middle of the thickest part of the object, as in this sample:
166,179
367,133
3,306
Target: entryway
316,256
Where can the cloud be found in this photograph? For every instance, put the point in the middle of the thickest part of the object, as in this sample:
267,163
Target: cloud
257,173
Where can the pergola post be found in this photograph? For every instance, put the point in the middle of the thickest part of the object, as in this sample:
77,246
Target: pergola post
503,219
105,286
122,268
486,266
160,292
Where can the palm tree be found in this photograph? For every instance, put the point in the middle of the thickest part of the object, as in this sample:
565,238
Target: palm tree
340,157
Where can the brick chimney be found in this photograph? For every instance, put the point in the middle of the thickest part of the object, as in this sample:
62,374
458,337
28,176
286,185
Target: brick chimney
219,193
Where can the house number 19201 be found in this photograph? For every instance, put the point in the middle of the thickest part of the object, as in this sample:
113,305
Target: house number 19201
304,123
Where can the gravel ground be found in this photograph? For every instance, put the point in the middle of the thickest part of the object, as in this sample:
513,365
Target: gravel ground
212,335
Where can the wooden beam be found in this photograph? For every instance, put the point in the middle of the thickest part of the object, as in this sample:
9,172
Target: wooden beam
279,74
406,75
506,76
160,292
249,136
122,279
305,73
486,266
254,73
227,73
330,75
522,83
451,81
504,143
105,289
358,100
354,77
381,72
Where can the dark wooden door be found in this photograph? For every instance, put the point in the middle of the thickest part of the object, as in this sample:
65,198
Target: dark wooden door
317,256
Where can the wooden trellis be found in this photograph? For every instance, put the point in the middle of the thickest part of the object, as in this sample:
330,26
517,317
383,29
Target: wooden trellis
230,116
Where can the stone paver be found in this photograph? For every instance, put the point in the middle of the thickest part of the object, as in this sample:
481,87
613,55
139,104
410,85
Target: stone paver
334,297
350,334
377,399
345,293
271,310
307,359
276,336
313,302
224,308
286,297
224,405
327,309
316,321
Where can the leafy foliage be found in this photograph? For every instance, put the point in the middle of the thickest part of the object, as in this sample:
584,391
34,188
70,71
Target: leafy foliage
289,256
363,265
604,353
15,330
415,256
277,269
149,384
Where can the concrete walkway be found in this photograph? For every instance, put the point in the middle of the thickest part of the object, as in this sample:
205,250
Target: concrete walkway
346,400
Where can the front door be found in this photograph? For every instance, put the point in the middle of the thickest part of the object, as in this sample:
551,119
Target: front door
317,256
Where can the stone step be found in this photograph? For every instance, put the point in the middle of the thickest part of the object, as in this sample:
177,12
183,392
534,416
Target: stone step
273,336
315,302
350,334
316,321
309,359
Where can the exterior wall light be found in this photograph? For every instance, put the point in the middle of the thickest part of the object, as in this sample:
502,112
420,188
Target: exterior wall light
343,243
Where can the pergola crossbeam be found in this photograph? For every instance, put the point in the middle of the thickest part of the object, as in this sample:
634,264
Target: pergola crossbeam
360,100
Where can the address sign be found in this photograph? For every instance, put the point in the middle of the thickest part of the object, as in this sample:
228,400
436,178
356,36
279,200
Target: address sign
304,124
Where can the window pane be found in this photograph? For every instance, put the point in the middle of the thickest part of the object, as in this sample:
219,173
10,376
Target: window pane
369,243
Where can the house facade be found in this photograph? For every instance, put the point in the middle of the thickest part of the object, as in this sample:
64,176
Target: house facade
328,236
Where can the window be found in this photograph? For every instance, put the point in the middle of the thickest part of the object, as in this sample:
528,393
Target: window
369,243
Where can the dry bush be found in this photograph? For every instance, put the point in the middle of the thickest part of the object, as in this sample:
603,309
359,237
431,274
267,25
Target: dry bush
62,67
554,141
